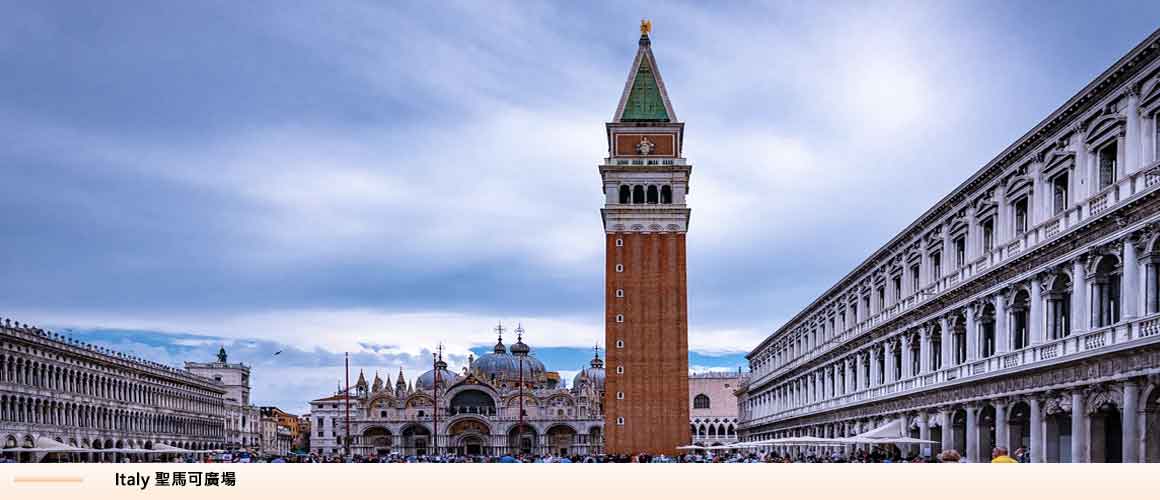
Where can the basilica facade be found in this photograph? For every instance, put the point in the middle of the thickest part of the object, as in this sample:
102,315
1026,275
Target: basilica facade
504,402
1022,310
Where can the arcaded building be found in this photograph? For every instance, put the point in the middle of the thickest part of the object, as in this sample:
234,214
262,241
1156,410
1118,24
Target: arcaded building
504,402
1021,310
713,411
56,391
645,179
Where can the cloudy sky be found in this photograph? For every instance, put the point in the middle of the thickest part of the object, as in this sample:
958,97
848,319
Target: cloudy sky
381,177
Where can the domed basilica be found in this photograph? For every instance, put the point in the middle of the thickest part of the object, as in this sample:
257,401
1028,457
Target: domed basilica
503,402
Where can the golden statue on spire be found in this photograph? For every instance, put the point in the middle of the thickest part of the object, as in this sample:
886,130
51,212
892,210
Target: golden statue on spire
645,27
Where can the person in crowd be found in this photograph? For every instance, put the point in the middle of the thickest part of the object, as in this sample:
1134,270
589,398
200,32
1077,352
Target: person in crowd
999,456
950,457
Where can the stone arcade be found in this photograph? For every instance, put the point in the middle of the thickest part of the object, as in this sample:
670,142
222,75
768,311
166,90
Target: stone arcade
1022,310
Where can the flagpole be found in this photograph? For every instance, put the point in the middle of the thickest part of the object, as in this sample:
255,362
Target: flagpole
346,392
435,404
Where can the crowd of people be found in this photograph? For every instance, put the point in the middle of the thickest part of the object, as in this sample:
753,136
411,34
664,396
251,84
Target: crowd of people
876,455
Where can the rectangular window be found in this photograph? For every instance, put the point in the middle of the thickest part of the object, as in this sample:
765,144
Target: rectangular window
936,265
1021,216
1059,199
881,298
915,284
988,234
961,251
897,287
1107,162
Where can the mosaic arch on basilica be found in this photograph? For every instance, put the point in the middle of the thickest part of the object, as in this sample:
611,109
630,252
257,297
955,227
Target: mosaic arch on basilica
503,402
1022,310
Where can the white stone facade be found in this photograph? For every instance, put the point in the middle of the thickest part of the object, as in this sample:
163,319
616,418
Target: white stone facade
89,397
242,419
1021,310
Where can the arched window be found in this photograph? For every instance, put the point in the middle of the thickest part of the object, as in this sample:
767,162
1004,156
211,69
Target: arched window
625,193
666,195
701,402
652,195
1020,308
638,194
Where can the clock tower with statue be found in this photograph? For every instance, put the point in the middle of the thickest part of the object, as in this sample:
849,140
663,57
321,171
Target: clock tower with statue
646,179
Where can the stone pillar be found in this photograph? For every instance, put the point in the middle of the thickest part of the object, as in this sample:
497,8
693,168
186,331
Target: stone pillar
1131,279
907,366
972,430
888,348
972,333
1131,135
924,352
1002,335
1001,425
1079,318
923,430
948,438
1035,313
1078,429
1131,417
1038,447
1150,289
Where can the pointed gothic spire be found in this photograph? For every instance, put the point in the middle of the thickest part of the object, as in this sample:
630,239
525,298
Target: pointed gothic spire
644,98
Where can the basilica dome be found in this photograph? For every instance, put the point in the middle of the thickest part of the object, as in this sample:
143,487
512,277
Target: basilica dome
593,375
502,366
426,381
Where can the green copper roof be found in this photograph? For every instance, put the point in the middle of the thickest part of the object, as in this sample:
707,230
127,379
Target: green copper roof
644,101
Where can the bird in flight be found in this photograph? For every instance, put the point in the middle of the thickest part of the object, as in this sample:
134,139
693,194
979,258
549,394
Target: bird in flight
277,353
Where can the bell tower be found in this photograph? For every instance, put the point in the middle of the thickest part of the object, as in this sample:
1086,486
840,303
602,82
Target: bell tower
645,180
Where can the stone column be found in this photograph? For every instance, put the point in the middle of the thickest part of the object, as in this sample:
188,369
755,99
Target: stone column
907,366
1078,429
1035,313
923,430
1001,425
888,348
1131,135
972,333
1002,335
924,352
874,367
1131,417
948,438
1131,279
972,440
1038,447
1079,318
1150,289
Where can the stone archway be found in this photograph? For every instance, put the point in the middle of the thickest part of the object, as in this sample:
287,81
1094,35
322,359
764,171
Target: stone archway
1105,443
1151,405
561,439
377,440
470,437
986,431
1057,434
1019,426
416,440
522,439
